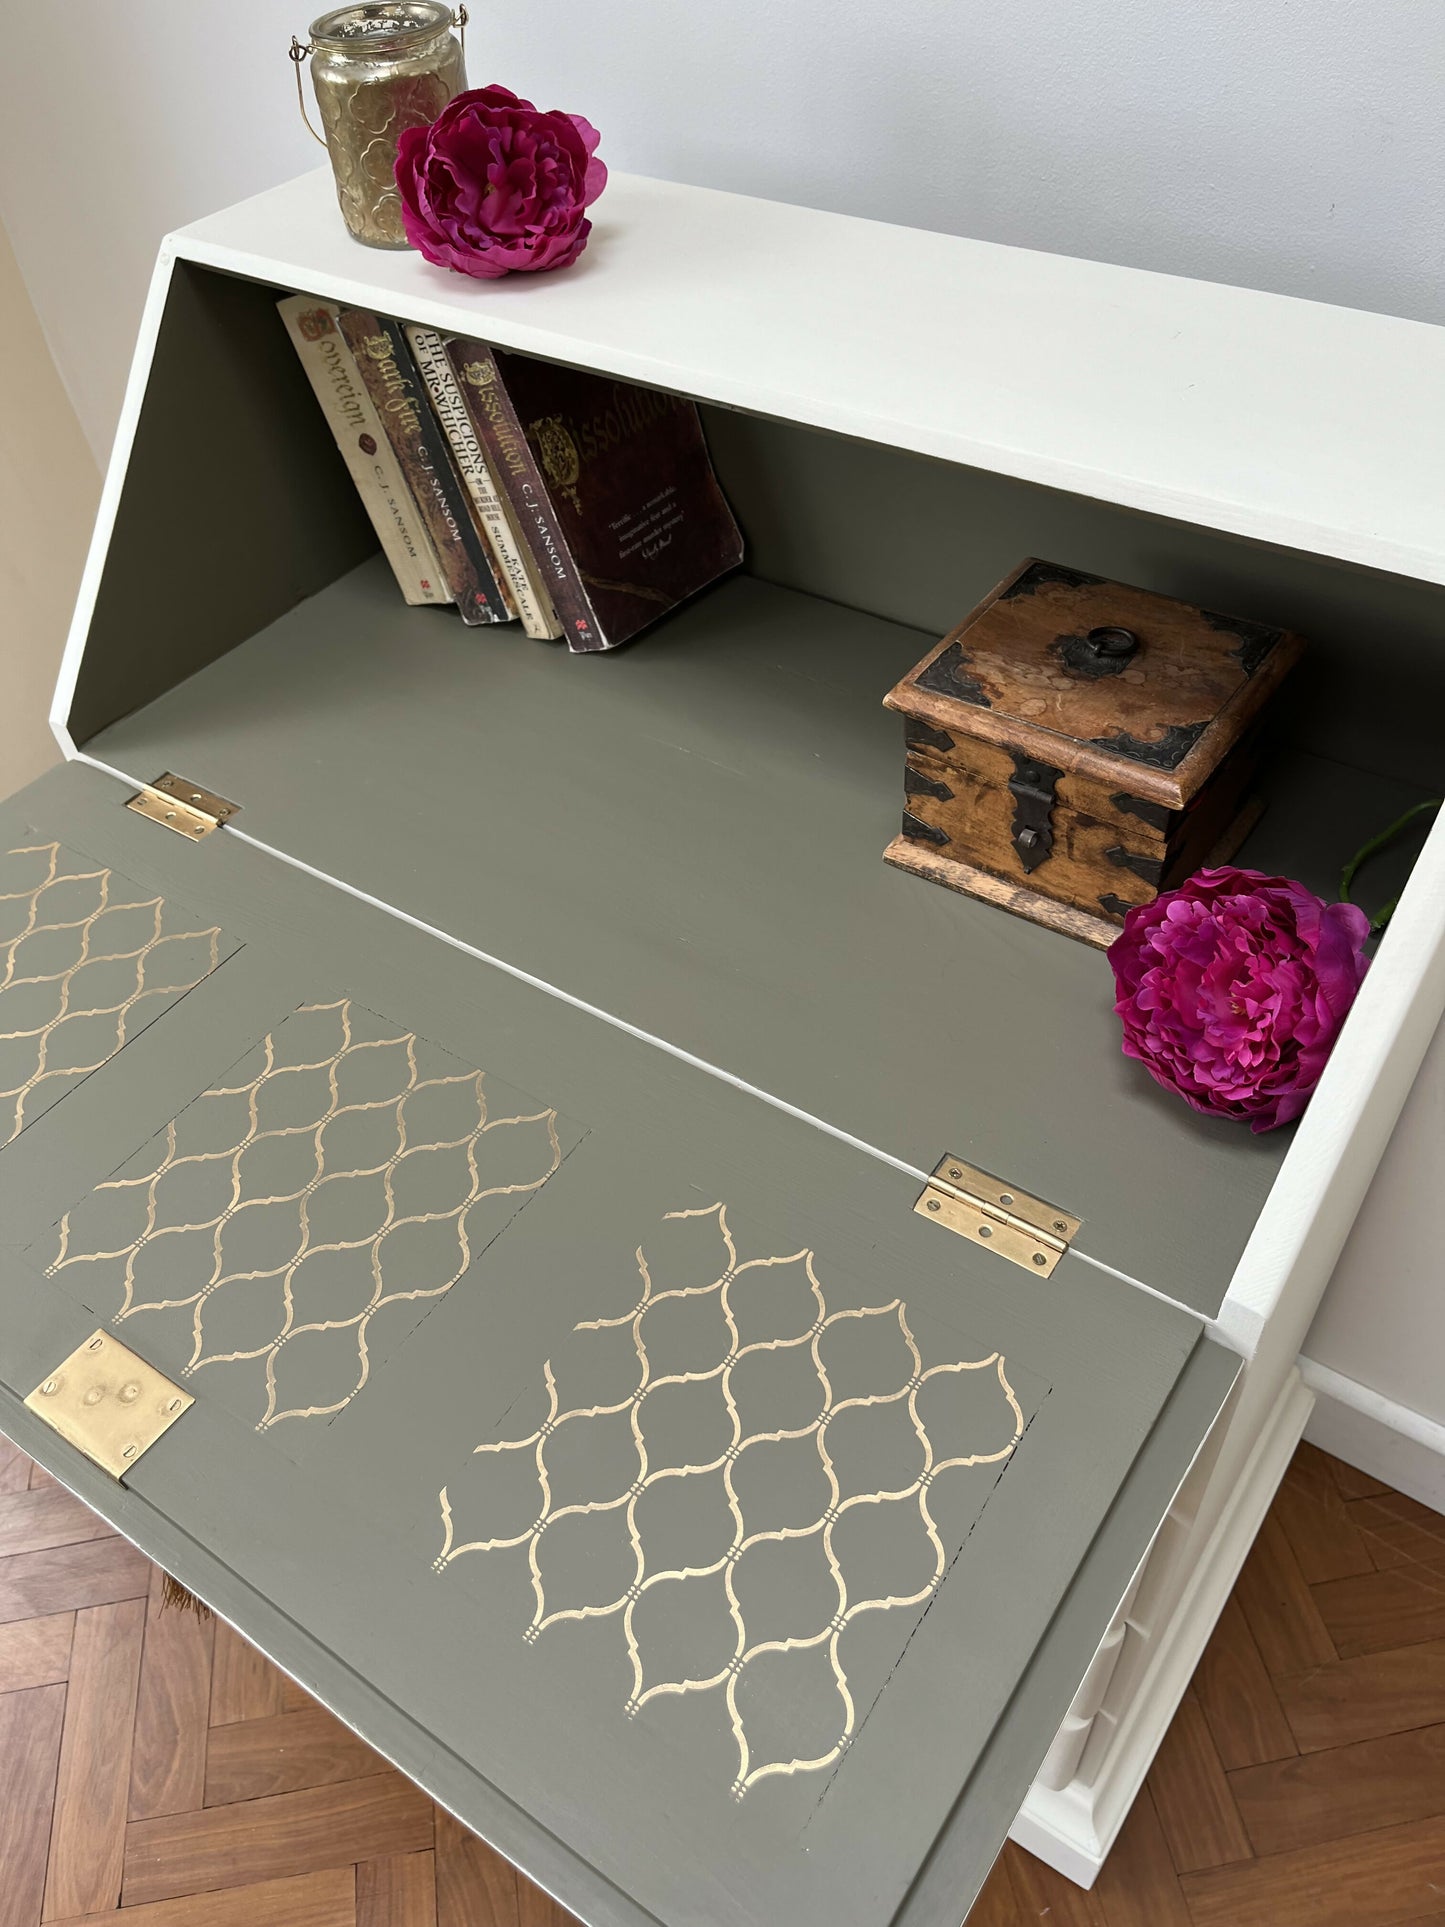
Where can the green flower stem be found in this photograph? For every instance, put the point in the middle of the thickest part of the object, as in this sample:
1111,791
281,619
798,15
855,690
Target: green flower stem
1383,841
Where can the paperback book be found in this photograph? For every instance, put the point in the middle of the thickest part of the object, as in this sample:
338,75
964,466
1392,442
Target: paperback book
347,405
490,508
399,394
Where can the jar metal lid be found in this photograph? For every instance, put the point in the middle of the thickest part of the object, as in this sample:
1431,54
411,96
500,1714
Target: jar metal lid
380,25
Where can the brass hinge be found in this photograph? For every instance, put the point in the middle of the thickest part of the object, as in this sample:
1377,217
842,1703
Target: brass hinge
108,1403
992,1212
183,806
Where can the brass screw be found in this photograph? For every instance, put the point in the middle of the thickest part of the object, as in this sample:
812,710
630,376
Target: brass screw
1005,1197
1039,1258
954,1172
50,1386
933,1204
1060,1224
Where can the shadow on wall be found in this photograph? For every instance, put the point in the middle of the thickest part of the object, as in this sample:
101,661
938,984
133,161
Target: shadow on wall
49,484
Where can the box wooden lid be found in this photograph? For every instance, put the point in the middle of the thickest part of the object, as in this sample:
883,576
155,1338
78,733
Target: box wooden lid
1097,677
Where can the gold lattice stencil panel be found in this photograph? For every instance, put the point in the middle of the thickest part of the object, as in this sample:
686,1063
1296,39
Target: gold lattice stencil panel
288,1230
87,960
758,1470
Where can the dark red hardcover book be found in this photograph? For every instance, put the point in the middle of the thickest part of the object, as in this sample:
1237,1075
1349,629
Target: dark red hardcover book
612,484
396,387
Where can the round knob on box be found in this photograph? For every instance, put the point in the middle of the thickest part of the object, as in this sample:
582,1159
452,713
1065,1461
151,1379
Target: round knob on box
1111,643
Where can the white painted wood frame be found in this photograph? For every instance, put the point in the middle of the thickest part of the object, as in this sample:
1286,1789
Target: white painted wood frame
1283,421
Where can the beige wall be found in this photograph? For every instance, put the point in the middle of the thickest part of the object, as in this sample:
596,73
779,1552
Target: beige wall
48,488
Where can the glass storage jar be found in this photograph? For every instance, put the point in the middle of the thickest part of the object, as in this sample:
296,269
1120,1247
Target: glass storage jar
378,69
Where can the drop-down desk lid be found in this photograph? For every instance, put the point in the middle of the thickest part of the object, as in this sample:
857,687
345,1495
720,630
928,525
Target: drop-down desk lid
621,1454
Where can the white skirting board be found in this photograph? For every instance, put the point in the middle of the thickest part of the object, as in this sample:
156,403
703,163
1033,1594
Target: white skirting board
1074,1828
1365,1429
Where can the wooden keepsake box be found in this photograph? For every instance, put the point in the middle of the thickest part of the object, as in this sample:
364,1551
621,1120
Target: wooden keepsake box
1075,746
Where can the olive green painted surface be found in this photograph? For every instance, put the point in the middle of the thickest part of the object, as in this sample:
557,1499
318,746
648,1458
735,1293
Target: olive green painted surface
939,537
235,483
688,835
235,506
87,959
627,1811
290,1228
948,1882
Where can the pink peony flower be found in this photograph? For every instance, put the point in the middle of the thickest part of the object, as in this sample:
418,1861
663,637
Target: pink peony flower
493,187
1233,988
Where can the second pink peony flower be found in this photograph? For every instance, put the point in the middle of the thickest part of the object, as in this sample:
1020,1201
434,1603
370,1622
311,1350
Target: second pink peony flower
1232,990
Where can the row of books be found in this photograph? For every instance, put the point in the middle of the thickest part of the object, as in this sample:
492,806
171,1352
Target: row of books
579,506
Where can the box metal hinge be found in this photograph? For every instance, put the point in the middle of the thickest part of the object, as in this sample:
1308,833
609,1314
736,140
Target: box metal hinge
108,1403
183,806
992,1212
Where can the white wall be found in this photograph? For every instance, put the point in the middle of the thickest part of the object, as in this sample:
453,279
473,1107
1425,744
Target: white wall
1296,145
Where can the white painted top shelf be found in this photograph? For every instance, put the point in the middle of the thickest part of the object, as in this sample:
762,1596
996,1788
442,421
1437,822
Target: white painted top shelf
1287,421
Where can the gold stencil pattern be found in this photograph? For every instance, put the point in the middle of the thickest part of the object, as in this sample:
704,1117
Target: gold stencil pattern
86,960
848,1603
348,1172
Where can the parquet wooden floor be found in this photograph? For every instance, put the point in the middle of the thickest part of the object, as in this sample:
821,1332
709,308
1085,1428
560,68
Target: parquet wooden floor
156,1772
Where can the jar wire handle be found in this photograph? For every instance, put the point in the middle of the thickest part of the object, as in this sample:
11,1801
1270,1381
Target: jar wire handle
459,21
299,53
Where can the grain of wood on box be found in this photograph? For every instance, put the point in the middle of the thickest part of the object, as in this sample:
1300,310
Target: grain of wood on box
1083,743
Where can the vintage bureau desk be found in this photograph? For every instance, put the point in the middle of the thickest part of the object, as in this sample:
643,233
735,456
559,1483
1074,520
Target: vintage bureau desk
516,1147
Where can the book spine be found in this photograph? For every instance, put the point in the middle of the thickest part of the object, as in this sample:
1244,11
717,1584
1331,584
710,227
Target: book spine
429,352
384,359
500,434
351,415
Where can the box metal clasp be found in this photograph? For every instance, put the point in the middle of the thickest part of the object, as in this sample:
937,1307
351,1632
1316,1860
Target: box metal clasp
108,1403
182,806
1034,787
1025,1230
